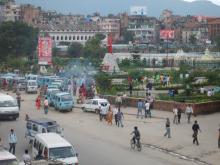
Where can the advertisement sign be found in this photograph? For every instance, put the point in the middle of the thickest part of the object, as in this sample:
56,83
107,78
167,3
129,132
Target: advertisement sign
166,34
138,10
44,51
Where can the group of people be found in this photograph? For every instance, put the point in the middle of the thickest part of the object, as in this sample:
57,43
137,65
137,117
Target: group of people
108,114
165,80
146,106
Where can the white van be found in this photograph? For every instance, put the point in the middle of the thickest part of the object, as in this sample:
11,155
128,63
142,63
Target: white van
6,158
31,86
8,107
54,147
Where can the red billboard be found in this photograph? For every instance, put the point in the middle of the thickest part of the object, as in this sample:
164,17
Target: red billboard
166,34
44,51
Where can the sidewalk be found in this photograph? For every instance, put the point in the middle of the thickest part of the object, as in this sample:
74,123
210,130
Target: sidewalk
152,131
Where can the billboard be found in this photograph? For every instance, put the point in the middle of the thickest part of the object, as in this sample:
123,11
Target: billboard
138,10
166,34
44,51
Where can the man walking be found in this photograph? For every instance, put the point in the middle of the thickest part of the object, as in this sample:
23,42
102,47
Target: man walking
189,112
118,101
195,129
179,115
139,107
147,109
12,139
46,105
115,111
18,98
119,118
175,113
167,125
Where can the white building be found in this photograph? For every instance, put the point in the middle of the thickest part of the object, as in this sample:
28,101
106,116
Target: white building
11,11
69,33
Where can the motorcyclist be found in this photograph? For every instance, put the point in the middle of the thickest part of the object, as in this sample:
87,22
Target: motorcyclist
136,134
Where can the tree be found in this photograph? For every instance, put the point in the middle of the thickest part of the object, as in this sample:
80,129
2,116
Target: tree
103,82
17,39
100,36
127,36
75,49
217,41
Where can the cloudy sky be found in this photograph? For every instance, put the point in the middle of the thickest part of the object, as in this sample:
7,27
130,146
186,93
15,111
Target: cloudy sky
214,1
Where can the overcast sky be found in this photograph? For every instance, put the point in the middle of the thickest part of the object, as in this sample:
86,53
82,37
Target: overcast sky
214,1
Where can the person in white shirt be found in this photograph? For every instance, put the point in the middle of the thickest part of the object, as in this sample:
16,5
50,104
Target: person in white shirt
12,140
26,157
175,118
147,109
189,112
209,93
46,105
202,90
115,111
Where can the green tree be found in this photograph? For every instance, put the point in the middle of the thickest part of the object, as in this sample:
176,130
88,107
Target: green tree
17,39
100,36
127,36
75,49
103,82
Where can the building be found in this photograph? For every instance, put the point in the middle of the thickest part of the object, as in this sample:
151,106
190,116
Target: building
213,27
30,14
145,29
69,33
110,25
10,11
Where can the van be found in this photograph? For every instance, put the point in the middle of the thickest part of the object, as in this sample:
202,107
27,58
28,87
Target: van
8,107
6,158
54,147
63,101
31,86
41,125
49,95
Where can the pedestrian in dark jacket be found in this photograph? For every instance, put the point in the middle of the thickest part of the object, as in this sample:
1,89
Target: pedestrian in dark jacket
179,115
195,129
167,125
120,116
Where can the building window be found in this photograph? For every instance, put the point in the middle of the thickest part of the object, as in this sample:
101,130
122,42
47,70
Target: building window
89,37
58,38
53,38
65,38
77,37
85,37
81,37
74,38
70,38
61,38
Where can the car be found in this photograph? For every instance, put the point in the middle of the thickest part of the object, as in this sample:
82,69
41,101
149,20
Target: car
7,158
93,105
31,86
8,107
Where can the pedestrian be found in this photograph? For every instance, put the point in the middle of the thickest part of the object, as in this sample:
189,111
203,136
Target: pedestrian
147,109
195,129
115,111
118,101
109,116
103,111
120,116
12,139
27,117
179,115
39,155
26,157
219,137
46,106
175,113
167,125
139,107
18,98
189,112
38,102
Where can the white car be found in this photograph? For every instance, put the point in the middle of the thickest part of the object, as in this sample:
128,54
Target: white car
93,105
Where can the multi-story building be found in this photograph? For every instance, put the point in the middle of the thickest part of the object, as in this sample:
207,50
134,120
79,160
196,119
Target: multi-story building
10,11
30,14
69,33
145,29
110,25
213,27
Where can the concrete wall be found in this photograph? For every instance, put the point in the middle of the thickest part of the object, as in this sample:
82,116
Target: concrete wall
200,108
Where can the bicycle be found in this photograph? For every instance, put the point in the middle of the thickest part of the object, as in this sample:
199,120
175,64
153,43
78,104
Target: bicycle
137,145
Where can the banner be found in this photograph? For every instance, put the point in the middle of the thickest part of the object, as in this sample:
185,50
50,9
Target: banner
166,34
44,51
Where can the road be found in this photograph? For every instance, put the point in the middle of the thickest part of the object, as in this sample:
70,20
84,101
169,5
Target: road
96,142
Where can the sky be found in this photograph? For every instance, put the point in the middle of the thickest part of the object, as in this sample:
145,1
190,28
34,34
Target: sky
214,1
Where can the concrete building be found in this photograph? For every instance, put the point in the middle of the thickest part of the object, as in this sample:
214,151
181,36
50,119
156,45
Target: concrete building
30,14
110,25
10,11
213,27
69,33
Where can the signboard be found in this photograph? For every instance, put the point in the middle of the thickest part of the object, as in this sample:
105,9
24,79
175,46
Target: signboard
138,10
44,51
166,34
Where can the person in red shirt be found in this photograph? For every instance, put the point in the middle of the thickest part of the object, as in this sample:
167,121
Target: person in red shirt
38,102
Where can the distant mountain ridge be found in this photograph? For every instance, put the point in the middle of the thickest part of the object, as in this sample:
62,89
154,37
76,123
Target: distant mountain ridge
154,7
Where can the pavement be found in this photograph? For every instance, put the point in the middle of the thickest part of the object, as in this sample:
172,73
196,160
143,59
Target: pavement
180,143
99,143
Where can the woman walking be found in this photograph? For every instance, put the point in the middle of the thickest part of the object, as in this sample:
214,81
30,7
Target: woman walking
167,125
109,116
38,102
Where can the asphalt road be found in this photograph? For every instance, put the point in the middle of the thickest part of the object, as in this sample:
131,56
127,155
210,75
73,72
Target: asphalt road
96,142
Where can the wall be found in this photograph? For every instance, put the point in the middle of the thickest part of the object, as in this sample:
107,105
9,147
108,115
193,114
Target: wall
200,108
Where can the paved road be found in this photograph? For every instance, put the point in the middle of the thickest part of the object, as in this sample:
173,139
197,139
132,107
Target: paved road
96,142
